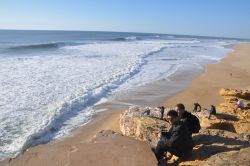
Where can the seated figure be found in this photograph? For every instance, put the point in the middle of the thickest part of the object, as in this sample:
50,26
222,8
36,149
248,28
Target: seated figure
212,111
197,107
240,103
177,140
190,120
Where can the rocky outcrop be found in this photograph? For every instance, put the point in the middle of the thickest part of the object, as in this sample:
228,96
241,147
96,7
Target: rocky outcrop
229,117
222,135
212,142
107,148
235,157
225,134
135,122
244,94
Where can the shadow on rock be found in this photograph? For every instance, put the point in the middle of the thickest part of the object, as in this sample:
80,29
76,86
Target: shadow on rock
226,117
208,145
213,139
223,126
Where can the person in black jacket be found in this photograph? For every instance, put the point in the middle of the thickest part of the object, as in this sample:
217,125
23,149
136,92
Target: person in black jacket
162,109
190,120
177,140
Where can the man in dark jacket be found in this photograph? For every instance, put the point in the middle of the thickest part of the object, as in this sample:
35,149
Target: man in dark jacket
190,120
177,141
162,109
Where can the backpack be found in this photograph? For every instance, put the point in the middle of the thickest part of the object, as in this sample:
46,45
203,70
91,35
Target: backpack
193,123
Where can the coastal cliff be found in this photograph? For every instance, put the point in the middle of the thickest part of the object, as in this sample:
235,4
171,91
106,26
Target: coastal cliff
222,135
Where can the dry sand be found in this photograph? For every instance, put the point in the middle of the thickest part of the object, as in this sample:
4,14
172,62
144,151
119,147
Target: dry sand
232,72
114,149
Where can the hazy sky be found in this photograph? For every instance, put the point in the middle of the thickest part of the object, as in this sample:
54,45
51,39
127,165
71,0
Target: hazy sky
228,18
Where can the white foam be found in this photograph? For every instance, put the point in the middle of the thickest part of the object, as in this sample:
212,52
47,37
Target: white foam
131,38
42,92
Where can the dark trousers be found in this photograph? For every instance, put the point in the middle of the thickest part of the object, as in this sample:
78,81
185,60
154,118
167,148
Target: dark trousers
163,147
162,114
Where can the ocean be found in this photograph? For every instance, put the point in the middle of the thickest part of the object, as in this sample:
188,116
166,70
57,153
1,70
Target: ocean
50,80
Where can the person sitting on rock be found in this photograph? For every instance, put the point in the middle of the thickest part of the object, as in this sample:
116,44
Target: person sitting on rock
177,140
239,103
212,111
197,107
162,108
190,120
146,112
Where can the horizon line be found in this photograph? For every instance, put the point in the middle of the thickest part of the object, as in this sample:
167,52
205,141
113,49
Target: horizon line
65,30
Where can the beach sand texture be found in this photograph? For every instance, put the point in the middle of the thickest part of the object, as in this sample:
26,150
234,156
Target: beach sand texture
110,148
232,72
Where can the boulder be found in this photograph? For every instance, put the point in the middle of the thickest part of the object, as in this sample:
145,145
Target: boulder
107,148
204,113
134,123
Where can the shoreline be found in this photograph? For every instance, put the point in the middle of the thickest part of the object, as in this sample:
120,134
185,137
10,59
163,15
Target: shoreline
153,94
217,76
204,85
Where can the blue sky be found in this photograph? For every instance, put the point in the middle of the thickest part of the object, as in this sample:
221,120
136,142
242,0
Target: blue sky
226,18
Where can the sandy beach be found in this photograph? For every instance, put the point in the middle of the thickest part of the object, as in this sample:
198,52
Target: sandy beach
231,72
81,149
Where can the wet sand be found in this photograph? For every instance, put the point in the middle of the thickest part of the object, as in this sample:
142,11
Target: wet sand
79,149
232,72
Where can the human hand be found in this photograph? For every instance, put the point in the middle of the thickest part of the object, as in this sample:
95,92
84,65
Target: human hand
157,133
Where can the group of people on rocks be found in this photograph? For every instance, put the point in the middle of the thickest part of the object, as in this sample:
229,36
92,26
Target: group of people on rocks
178,140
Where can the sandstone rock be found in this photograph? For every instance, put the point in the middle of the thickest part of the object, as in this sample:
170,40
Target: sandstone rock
134,124
228,117
204,113
242,127
244,94
231,100
225,134
111,148
217,124
237,158
238,123
227,108
243,114
210,136
107,148
211,142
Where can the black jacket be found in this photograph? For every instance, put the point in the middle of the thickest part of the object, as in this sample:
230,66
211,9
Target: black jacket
191,121
179,139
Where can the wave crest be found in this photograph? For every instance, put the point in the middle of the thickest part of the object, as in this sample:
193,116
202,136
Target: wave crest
129,38
53,45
